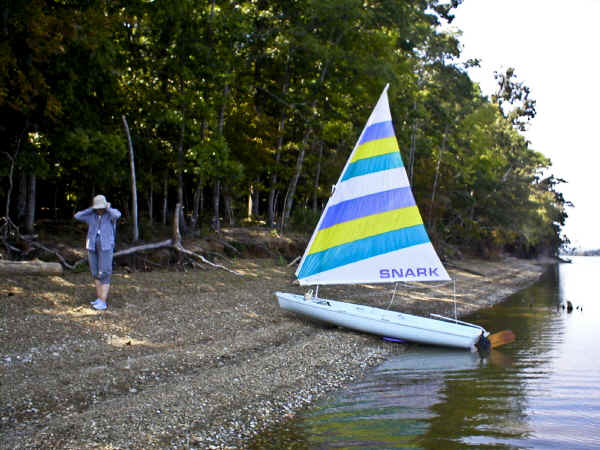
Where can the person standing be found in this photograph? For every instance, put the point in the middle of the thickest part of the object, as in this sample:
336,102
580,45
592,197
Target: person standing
100,244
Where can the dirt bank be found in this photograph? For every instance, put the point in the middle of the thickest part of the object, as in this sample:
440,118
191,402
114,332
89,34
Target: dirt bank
193,358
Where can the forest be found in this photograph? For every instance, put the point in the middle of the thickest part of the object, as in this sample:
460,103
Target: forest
244,112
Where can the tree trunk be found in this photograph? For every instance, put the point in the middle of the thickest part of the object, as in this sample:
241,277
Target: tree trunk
228,200
175,233
135,232
291,191
165,199
436,179
413,145
22,199
216,221
250,203
413,148
198,200
13,164
196,205
221,125
30,211
183,223
273,190
317,175
180,164
151,199
202,201
180,170
256,200
289,196
253,200
150,204
11,171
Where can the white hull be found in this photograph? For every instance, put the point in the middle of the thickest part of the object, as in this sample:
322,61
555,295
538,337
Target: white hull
384,322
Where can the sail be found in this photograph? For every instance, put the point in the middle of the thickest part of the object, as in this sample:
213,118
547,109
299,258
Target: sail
371,230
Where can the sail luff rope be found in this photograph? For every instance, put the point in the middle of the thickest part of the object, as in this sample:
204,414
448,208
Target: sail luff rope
393,295
454,297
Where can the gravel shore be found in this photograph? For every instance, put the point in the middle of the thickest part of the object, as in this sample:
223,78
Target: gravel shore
192,359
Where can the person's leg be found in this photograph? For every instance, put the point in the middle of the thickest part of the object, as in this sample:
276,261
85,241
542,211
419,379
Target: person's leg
104,275
104,288
93,263
99,290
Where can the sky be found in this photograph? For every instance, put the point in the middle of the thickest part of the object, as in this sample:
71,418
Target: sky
554,48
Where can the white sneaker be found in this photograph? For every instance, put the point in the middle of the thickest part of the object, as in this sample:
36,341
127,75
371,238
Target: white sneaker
95,301
100,305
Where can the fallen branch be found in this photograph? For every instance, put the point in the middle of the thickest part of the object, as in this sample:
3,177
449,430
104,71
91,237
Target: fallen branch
294,261
62,260
143,247
8,228
176,244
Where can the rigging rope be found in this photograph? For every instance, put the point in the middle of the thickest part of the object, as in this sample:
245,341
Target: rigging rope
393,295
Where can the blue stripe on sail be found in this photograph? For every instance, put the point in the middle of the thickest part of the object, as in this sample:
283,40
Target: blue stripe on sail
367,206
363,249
376,131
375,164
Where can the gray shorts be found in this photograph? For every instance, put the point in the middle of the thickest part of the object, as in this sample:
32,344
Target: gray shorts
101,263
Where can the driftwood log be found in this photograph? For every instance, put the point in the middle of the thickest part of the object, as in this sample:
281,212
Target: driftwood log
36,267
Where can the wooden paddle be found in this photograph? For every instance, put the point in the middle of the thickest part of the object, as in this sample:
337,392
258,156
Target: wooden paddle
501,338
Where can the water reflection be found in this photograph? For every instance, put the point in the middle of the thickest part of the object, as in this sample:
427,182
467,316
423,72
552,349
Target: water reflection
542,391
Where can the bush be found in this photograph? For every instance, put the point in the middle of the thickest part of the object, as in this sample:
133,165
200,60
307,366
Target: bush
304,220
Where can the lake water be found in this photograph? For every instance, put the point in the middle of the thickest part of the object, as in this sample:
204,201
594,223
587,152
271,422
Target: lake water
540,392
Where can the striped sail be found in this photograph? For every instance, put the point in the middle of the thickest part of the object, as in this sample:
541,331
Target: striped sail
371,230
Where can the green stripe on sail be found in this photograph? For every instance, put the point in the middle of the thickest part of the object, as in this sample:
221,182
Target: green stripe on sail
365,227
375,148
363,249
372,165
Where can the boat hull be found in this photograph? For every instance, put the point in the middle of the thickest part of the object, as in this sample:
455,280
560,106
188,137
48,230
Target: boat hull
384,322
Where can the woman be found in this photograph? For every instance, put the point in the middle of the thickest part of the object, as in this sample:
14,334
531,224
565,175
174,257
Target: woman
100,243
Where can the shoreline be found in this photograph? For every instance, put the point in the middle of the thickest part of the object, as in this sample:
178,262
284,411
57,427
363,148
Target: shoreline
201,359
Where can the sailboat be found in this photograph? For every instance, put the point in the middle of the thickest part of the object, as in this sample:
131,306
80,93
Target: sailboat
371,231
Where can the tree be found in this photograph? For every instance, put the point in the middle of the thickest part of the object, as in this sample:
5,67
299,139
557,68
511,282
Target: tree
513,99
261,99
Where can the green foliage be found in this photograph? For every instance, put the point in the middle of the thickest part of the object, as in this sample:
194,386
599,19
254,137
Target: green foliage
304,220
234,91
212,160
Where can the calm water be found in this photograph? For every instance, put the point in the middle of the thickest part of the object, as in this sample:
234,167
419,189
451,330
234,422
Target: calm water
542,391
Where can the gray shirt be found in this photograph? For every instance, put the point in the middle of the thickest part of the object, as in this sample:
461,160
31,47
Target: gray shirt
103,227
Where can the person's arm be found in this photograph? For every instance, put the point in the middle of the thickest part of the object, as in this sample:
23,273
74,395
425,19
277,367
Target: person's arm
114,213
83,215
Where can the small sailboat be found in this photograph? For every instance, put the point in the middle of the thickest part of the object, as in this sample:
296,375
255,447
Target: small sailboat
371,231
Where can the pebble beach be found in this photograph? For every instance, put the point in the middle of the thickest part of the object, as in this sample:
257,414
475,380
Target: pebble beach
194,358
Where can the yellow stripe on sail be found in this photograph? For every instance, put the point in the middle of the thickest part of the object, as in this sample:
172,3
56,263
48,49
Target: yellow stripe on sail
364,227
376,148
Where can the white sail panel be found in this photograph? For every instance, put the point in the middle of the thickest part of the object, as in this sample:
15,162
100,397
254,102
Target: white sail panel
369,184
381,112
